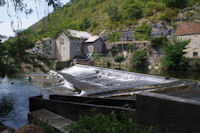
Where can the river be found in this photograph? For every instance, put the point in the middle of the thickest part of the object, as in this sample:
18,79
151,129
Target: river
14,97
15,91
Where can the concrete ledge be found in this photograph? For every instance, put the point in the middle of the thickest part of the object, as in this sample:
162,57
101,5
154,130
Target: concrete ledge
177,115
46,118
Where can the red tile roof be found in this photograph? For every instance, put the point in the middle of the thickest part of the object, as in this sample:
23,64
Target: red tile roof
188,29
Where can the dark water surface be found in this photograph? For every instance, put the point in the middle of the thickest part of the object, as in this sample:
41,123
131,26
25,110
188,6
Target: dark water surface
14,99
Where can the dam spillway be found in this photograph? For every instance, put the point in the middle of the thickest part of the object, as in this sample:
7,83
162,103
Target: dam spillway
95,80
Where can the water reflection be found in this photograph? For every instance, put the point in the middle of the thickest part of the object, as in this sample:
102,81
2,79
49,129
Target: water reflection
6,106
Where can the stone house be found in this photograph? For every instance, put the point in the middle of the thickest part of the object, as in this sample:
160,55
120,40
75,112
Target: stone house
190,31
46,47
70,44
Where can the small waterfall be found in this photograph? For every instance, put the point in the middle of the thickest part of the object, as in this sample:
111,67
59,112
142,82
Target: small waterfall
60,80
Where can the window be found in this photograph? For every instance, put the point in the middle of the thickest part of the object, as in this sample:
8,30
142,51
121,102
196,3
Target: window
195,54
49,48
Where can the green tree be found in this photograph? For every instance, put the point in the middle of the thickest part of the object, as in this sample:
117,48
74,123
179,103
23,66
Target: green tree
176,3
113,13
19,50
133,9
7,65
158,41
138,58
173,55
85,23
142,32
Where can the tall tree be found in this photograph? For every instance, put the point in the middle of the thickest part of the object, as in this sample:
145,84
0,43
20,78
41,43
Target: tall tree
173,55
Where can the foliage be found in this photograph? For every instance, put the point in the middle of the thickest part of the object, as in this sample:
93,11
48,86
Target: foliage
138,58
158,41
129,47
176,3
113,13
133,9
142,32
114,37
101,123
119,58
85,23
173,55
98,15
16,52
108,64
6,63
96,57
195,64
114,50
168,15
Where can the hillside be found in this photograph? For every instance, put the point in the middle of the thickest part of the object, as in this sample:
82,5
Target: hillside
97,16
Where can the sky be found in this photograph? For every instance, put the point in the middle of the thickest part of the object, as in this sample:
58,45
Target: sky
18,20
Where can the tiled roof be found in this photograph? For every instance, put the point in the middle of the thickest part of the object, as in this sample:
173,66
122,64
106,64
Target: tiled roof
188,29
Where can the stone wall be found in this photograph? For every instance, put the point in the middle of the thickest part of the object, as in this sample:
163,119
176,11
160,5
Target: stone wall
176,115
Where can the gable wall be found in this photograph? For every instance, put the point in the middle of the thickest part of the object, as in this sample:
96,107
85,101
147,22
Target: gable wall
193,46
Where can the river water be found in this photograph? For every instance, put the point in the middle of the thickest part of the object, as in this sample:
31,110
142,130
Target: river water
15,93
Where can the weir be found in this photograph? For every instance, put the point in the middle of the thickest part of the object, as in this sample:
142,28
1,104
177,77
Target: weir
95,81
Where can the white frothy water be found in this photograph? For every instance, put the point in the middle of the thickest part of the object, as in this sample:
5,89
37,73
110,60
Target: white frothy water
62,80
78,71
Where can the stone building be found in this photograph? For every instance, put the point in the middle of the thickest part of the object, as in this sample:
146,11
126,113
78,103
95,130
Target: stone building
70,44
46,47
190,31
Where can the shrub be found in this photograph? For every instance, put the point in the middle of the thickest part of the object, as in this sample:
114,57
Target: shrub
133,9
113,13
158,41
85,23
142,32
119,58
101,123
114,37
96,57
176,3
169,15
129,47
173,55
138,58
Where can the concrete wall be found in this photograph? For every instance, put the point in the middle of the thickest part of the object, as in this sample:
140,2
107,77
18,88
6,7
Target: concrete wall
73,109
193,46
177,115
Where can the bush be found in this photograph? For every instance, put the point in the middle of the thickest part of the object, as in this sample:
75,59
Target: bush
96,57
176,3
114,37
113,13
119,58
158,41
101,123
138,58
169,15
85,23
129,47
173,55
142,32
133,9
